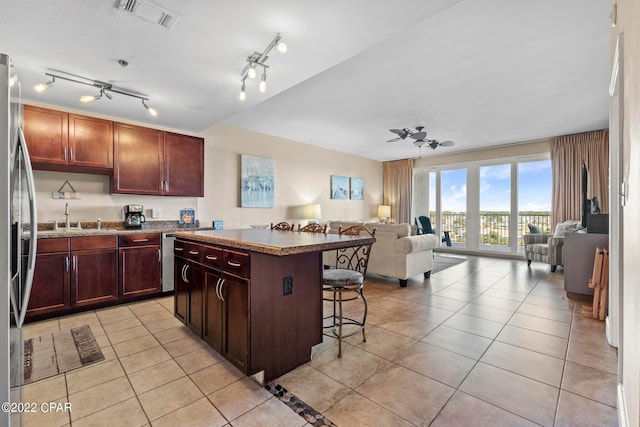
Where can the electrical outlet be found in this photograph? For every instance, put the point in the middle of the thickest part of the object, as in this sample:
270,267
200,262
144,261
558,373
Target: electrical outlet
287,285
155,213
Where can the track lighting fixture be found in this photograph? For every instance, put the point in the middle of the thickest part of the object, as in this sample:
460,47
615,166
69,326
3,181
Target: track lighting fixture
258,59
263,82
243,93
106,89
151,110
41,87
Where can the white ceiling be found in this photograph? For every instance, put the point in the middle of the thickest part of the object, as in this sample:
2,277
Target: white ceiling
478,72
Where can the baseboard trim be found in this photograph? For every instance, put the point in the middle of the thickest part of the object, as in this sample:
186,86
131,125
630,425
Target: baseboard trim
623,417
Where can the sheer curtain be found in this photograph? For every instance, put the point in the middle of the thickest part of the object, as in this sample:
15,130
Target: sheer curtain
567,154
397,188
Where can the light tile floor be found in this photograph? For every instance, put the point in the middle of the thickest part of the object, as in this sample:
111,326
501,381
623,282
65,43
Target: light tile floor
488,342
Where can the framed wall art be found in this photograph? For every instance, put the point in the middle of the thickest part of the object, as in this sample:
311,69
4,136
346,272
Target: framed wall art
257,182
339,187
356,188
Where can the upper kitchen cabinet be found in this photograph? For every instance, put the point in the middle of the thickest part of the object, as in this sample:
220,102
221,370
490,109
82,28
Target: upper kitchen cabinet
138,160
90,142
183,165
46,132
148,161
66,142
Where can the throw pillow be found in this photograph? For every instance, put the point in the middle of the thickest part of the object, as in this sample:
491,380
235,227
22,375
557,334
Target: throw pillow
567,227
533,229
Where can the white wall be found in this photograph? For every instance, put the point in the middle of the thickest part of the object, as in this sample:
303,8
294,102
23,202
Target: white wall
628,23
302,177
302,174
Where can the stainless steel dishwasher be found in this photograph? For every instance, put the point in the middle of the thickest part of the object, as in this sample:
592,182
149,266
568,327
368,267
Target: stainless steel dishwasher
167,261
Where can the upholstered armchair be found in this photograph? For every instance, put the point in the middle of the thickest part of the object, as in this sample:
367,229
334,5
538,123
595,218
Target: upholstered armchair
543,248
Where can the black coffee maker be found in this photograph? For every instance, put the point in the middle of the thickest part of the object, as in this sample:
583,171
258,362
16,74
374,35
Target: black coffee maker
133,216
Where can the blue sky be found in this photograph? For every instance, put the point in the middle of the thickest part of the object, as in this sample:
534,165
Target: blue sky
495,188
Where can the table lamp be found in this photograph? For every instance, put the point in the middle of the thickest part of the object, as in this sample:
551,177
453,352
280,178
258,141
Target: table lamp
313,213
384,212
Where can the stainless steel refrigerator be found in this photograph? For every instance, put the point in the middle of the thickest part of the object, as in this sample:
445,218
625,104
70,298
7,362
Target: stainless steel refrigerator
18,233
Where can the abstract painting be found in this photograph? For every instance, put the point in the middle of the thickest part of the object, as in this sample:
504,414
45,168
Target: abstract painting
339,187
257,186
356,188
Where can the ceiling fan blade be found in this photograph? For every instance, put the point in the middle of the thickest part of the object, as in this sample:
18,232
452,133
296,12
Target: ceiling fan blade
447,143
394,140
419,135
398,131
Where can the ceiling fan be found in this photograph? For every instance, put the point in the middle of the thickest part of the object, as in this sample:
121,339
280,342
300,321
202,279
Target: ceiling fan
419,137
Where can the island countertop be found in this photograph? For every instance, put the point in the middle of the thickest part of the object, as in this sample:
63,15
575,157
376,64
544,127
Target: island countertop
274,242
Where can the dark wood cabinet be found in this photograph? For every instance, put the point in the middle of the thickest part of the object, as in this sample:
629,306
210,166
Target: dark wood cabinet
180,291
189,286
46,133
140,265
213,310
90,142
50,292
94,270
183,165
235,323
138,160
60,141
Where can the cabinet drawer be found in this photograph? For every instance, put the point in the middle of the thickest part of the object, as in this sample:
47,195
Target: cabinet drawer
187,250
94,242
211,256
146,239
236,263
53,245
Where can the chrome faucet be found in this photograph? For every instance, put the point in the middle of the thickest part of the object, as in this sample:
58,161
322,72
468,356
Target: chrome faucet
66,214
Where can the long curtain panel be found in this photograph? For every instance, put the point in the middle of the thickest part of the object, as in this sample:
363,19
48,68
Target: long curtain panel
567,155
397,189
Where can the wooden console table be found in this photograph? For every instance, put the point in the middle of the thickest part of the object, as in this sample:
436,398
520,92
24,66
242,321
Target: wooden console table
578,256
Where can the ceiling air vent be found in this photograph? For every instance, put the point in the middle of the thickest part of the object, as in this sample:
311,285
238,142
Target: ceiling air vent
149,12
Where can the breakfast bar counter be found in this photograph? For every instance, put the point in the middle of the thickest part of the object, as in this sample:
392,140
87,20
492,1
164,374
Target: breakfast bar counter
255,295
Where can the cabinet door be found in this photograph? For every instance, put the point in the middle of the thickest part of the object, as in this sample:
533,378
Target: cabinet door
46,134
184,165
140,271
90,142
94,276
212,328
235,292
193,273
180,291
50,289
138,160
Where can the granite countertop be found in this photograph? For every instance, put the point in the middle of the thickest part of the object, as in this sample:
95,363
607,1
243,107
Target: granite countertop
111,228
274,242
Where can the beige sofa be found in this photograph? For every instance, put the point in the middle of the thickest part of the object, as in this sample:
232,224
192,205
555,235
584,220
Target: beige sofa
396,253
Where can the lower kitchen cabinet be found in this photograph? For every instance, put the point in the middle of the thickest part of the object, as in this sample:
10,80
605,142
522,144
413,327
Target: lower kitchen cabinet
140,265
235,324
213,310
50,291
188,294
94,277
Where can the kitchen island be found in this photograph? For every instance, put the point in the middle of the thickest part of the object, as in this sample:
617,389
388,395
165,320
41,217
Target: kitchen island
255,295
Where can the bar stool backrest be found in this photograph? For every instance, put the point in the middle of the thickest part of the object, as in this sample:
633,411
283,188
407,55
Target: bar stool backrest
313,228
357,257
285,226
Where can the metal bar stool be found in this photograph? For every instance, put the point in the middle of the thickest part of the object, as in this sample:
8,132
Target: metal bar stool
345,283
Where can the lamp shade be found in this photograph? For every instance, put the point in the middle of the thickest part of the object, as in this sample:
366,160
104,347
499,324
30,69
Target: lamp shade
384,211
313,211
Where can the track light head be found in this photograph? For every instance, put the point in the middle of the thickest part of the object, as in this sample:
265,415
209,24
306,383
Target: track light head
41,87
263,82
243,92
251,72
151,110
281,47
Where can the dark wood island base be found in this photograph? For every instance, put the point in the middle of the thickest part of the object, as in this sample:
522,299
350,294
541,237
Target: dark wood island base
254,295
